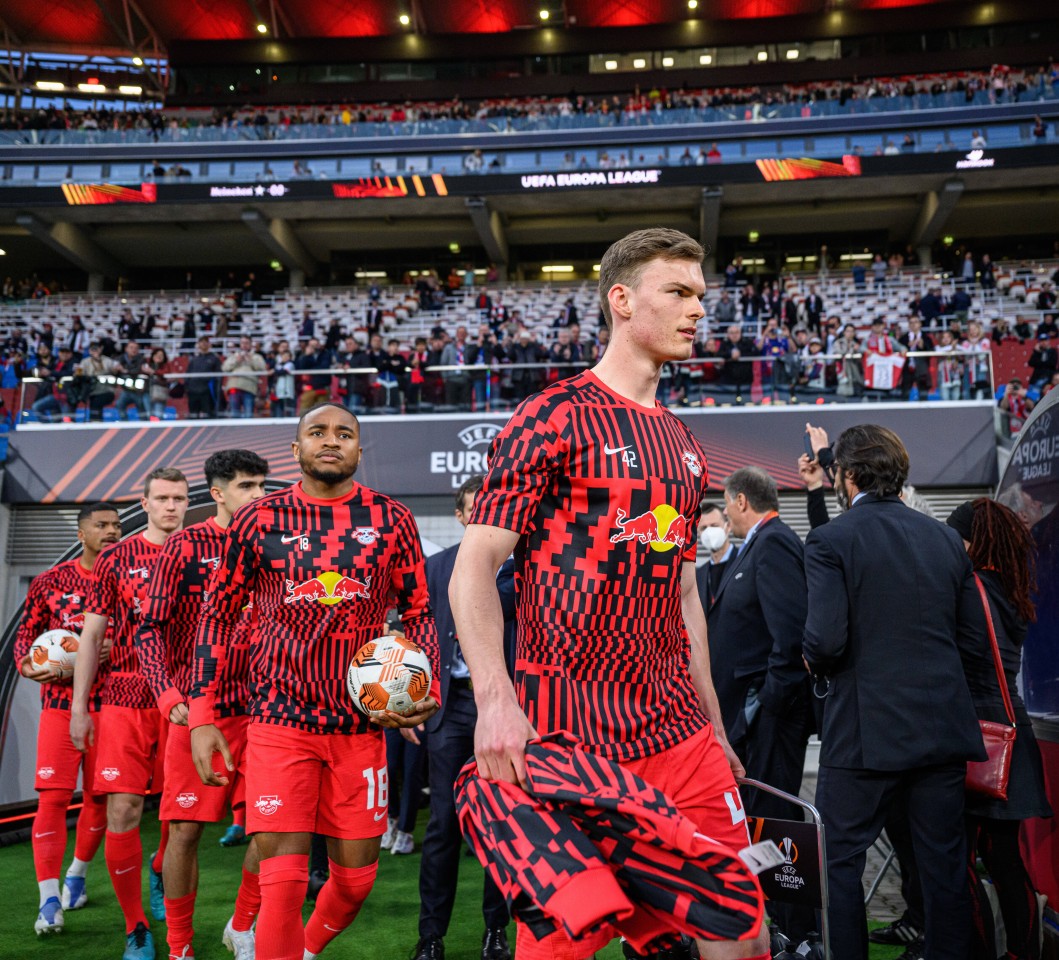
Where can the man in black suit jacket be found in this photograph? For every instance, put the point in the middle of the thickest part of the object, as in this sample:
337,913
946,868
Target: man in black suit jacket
892,604
756,622
450,734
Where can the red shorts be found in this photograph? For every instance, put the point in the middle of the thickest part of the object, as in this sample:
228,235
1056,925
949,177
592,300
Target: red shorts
696,776
129,740
58,760
329,783
184,795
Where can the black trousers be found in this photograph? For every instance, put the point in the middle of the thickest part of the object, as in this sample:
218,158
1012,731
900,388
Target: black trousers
774,753
854,805
448,749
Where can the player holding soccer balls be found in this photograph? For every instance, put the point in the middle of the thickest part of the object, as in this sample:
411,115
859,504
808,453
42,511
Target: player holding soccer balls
55,603
323,562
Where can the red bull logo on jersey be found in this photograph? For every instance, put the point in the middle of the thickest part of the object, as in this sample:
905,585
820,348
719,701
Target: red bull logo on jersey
110,774
46,773
661,528
187,799
328,587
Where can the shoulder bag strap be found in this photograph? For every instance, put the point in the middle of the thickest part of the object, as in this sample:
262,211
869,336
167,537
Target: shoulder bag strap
1001,678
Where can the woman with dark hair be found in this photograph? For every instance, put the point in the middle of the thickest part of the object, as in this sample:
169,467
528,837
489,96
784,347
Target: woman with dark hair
1002,552
158,391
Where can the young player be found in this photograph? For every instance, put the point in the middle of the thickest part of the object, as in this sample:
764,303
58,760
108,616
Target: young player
56,602
165,643
596,487
131,732
323,561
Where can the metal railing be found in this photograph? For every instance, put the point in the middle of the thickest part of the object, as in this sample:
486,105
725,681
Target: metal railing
699,381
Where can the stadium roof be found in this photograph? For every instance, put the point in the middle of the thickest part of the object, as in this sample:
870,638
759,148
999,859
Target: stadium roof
97,26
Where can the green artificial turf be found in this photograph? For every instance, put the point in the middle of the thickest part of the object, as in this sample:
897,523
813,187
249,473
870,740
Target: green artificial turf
386,929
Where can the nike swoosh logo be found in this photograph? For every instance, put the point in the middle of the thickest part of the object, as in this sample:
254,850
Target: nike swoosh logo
97,829
47,833
205,560
70,596
132,573
328,926
291,538
118,873
380,815
607,449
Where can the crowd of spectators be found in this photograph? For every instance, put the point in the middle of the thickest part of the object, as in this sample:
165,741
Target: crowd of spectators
1000,84
805,346
469,348
493,355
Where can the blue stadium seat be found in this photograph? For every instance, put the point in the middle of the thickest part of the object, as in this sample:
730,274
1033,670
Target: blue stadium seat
355,167
169,413
126,173
830,147
110,414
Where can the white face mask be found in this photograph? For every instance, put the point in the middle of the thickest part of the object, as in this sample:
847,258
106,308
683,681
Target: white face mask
713,538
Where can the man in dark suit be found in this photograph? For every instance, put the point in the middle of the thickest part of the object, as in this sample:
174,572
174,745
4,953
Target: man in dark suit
892,606
917,371
814,310
713,536
451,744
567,315
756,623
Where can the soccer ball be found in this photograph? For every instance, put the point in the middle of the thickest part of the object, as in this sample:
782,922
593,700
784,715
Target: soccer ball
388,673
56,649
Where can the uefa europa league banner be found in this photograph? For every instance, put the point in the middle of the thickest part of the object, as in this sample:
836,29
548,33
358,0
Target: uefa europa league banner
951,445
1031,488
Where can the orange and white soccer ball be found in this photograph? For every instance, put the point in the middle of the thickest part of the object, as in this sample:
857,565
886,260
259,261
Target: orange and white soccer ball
56,649
388,673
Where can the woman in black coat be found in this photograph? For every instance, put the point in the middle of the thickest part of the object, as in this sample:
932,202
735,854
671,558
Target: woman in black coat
1001,551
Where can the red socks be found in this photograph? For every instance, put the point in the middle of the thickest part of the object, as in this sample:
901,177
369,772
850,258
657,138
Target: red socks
91,826
179,915
247,902
338,903
280,935
239,815
156,863
124,853
49,833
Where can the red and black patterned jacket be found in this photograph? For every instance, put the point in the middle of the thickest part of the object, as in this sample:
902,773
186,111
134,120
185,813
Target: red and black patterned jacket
165,637
322,575
56,601
588,845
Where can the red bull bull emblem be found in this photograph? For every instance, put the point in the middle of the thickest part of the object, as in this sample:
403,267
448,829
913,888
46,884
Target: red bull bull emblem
328,587
661,528
692,462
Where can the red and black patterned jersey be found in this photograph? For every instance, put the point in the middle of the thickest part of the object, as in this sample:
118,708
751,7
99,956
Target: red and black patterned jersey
56,601
165,636
322,575
122,575
605,494
589,845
